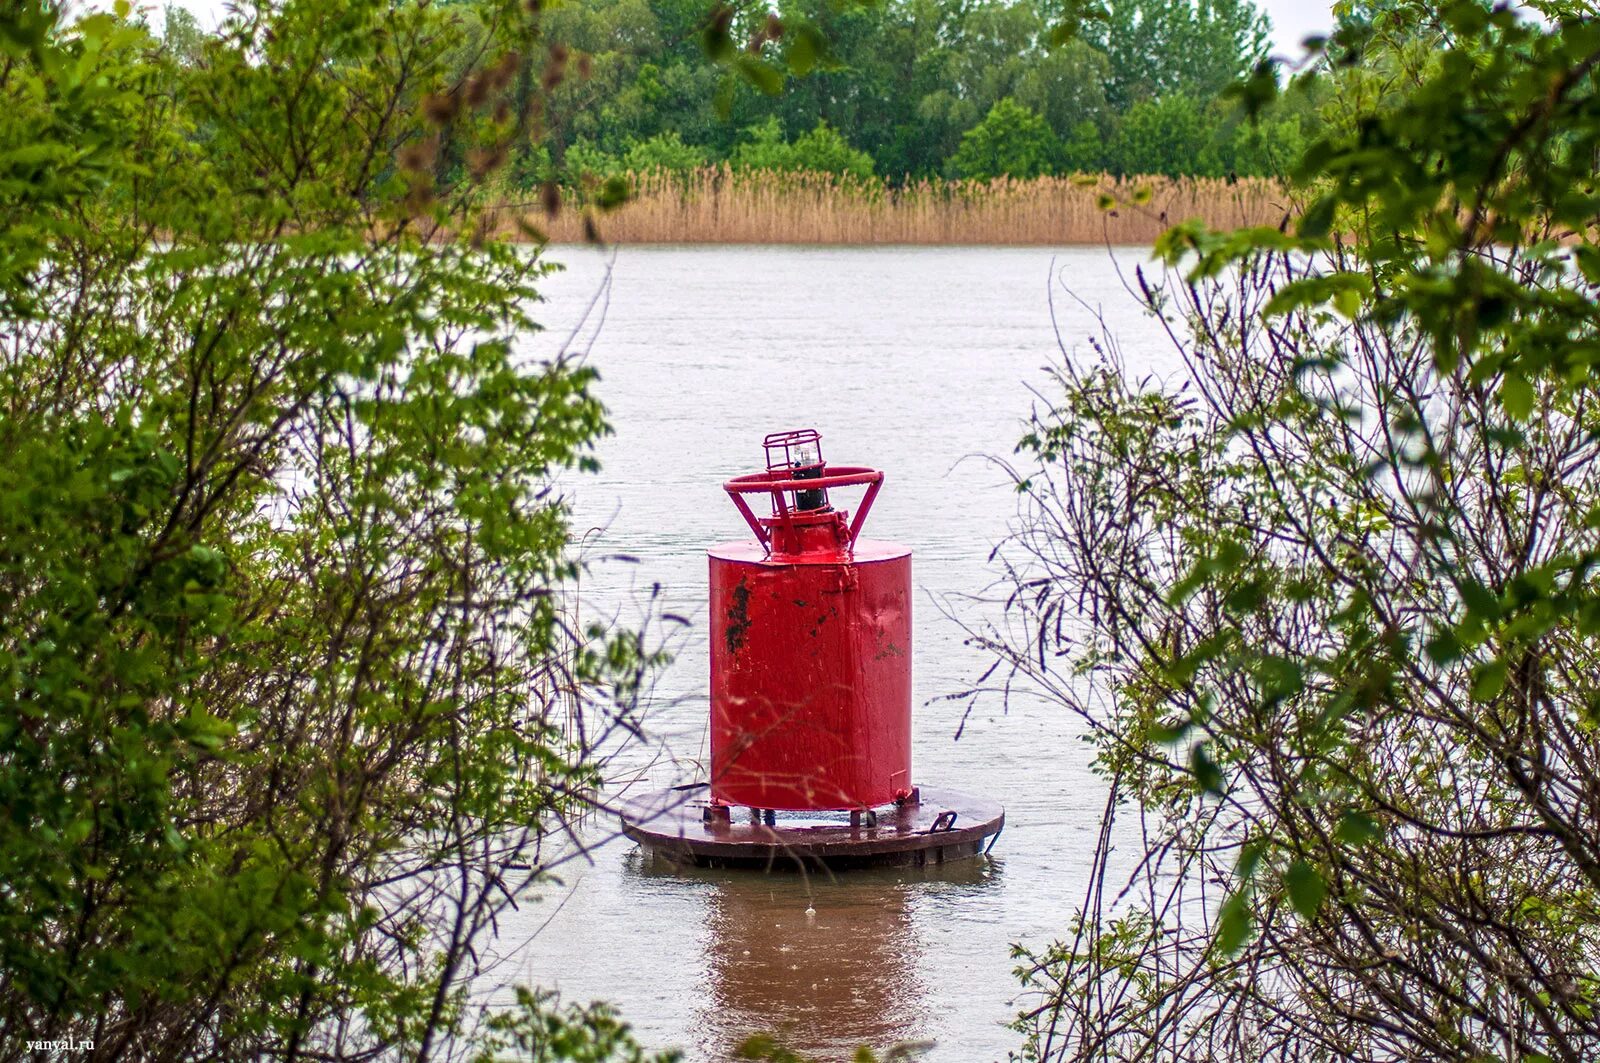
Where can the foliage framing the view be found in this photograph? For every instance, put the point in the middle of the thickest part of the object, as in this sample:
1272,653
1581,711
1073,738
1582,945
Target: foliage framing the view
290,695
1328,596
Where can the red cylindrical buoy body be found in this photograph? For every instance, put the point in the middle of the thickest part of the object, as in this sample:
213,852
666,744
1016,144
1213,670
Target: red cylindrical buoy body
810,677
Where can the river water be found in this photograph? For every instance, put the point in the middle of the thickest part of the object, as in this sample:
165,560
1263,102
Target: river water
921,362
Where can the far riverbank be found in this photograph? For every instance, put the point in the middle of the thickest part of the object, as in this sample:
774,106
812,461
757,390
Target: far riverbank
722,206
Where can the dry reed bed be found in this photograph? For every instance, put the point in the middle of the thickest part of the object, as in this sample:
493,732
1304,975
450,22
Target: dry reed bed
719,206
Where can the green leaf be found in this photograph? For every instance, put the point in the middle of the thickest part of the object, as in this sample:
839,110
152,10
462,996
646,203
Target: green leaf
1257,91
762,74
1480,601
1250,854
174,840
1318,218
1247,597
1306,888
1074,13
1488,680
1205,770
802,51
1163,733
715,40
1279,678
1443,647
614,194
1356,829
1516,395
1234,923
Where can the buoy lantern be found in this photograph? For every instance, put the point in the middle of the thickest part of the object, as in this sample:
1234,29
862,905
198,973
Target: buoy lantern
810,692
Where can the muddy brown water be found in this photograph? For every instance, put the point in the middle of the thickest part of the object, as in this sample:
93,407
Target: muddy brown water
922,362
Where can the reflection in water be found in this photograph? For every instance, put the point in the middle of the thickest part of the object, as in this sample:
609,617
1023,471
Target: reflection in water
843,976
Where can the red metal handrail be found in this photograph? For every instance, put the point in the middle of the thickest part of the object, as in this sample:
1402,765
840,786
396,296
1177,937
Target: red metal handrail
778,481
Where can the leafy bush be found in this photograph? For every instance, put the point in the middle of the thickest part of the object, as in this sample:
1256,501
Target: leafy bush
664,151
1327,597
585,159
286,680
822,150
1010,141
1270,147
1173,136
540,1030
1085,150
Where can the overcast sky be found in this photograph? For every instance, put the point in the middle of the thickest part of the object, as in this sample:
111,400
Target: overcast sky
1295,20
1292,20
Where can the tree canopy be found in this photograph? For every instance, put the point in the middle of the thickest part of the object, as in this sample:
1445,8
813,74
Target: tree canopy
1010,141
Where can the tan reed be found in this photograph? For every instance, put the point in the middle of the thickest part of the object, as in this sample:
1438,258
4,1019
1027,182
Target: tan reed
721,206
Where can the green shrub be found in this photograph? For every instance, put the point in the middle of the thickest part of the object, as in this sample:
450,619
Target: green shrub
281,569
1173,136
1010,141
822,150
664,151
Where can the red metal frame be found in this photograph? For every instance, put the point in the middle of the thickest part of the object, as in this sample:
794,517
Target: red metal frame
777,482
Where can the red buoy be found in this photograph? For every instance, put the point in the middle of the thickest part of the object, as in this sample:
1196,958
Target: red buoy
810,645
810,689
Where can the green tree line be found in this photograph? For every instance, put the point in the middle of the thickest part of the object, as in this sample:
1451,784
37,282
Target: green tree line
920,88
900,89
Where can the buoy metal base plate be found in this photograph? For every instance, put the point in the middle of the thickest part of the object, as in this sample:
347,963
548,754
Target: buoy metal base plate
937,827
